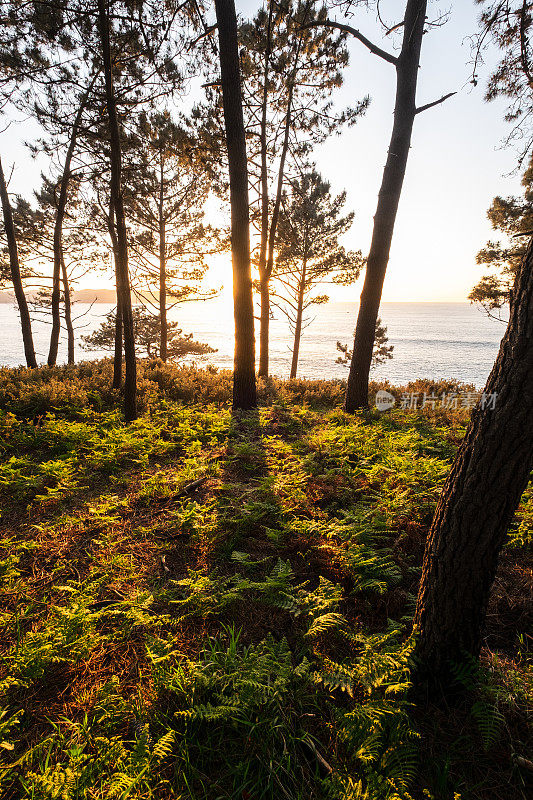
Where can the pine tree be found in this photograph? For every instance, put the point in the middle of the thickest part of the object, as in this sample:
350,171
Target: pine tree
119,219
477,504
509,25
15,273
290,71
81,250
407,65
513,216
147,329
309,251
167,190
383,351
244,387
493,464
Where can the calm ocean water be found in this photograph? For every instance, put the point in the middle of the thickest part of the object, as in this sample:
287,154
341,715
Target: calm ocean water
431,340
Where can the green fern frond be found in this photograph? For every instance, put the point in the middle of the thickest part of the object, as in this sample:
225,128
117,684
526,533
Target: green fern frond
163,747
489,721
326,623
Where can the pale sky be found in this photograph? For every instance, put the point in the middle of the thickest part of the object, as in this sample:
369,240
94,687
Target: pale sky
456,166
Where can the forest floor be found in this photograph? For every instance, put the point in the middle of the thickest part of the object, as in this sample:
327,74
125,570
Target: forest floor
200,605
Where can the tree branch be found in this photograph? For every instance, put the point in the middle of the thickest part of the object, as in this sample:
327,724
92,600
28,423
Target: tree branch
434,103
523,43
377,51
210,29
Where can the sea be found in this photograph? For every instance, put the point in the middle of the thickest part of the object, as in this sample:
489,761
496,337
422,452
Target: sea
431,340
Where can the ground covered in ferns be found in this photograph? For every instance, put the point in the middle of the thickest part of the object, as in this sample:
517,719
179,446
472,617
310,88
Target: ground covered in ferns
205,606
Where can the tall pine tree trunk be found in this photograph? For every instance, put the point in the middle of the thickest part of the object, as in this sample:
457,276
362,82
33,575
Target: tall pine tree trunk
25,322
264,324
298,326
264,321
68,311
163,295
267,273
117,354
121,259
389,196
483,489
162,271
58,237
244,389
117,358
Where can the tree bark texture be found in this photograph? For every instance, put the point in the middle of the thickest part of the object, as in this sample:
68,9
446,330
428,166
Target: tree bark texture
25,322
298,326
117,359
244,387
162,271
68,311
121,256
389,196
480,496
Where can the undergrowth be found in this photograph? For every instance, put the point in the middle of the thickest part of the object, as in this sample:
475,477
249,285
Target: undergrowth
205,606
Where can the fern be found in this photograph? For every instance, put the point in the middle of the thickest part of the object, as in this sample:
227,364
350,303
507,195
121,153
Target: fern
377,730
489,721
326,623
242,705
163,747
9,719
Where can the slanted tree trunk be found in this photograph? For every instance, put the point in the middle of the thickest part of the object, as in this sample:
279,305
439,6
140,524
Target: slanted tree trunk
244,388
121,256
59,264
162,271
25,322
298,326
477,504
68,311
405,110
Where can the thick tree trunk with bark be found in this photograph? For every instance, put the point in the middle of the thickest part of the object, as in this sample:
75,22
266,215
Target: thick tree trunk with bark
488,476
405,110
298,326
162,273
68,312
121,256
25,322
244,388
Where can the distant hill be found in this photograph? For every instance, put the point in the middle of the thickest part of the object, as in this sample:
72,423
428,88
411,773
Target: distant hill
92,295
81,296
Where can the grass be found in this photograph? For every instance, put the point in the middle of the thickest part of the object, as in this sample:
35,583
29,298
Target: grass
249,637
